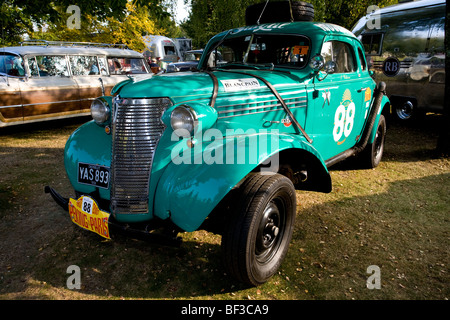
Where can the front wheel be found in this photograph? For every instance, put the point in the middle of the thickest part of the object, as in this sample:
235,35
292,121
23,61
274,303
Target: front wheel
257,237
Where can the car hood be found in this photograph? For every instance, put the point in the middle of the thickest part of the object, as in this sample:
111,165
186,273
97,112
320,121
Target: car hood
182,86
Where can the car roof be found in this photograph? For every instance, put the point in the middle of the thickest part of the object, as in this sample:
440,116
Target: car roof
75,50
310,29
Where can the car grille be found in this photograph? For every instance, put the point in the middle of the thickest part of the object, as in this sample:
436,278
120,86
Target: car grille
137,128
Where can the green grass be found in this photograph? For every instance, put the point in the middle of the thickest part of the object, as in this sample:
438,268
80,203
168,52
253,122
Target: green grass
395,216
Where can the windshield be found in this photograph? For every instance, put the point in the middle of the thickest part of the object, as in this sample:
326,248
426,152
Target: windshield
11,65
261,51
127,65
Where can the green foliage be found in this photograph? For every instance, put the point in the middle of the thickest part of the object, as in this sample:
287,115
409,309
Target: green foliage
209,17
116,21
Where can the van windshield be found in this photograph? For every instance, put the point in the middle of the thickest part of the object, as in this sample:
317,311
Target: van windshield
11,65
119,65
261,50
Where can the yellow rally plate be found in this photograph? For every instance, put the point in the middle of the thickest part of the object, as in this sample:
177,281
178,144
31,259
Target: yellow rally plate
85,213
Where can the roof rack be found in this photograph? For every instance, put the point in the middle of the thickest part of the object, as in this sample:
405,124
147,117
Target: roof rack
71,44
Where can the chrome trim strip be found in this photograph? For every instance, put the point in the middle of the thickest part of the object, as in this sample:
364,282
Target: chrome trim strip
247,114
262,107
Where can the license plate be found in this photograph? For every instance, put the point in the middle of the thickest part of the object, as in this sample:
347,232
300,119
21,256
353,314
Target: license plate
85,213
93,175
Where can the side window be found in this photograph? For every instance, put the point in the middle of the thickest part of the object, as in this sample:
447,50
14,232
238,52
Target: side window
342,54
102,65
11,65
50,66
84,65
362,60
32,65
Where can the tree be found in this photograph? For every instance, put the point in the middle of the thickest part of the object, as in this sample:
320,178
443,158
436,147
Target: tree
209,17
112,21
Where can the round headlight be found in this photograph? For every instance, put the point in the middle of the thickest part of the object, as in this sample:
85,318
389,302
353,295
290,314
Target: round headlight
100,111
183,118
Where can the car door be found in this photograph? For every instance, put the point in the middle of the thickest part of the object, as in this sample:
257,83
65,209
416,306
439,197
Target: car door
49,91
87,71
11,74
338,99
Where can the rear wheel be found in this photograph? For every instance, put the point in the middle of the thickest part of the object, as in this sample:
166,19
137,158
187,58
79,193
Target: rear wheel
257,237
372,154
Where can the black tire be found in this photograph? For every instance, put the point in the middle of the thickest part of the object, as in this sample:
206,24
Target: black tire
279,11
257,236
372,154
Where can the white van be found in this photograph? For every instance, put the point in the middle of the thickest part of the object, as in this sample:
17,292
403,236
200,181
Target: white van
161,48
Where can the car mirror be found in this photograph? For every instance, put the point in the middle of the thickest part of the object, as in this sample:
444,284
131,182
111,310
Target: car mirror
317,62
330,67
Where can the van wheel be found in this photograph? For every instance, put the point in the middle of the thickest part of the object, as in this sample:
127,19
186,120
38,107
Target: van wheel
372,154
405,110
258,233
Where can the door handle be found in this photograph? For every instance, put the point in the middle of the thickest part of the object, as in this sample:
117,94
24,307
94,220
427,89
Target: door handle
362,89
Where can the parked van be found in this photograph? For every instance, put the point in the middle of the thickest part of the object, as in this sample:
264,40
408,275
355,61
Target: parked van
161,48
404,43
42,80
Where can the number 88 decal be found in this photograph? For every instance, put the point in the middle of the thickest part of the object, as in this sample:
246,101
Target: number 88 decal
343,121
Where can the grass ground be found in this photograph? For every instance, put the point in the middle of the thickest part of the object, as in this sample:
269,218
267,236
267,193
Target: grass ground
395,217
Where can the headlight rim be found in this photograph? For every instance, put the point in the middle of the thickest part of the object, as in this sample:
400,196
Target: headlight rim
193,114
106,112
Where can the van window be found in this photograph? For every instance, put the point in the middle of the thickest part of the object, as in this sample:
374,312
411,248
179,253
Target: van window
372,43
11,65
48,66
169,50
84,65
342,54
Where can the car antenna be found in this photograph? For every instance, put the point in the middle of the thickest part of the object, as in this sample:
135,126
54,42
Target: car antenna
257,22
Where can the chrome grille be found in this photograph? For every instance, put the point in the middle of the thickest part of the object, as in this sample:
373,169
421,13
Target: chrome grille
137,128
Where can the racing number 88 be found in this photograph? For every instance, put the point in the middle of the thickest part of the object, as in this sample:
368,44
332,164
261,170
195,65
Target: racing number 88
343,121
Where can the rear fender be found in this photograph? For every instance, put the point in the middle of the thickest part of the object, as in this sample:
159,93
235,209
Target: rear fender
384,104
188,191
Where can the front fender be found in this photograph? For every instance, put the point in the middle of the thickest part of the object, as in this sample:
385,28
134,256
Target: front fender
188,191
81,148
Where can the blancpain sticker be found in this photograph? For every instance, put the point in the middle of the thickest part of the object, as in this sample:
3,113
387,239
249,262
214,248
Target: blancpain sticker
240,84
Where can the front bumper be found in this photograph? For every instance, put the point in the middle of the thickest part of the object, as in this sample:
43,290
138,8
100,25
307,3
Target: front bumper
158,232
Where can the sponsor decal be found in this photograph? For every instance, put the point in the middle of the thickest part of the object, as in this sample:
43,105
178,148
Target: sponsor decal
344,118
391,67
240,84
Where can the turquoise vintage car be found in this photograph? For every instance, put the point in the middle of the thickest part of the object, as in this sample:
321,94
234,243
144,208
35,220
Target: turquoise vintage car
226,146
